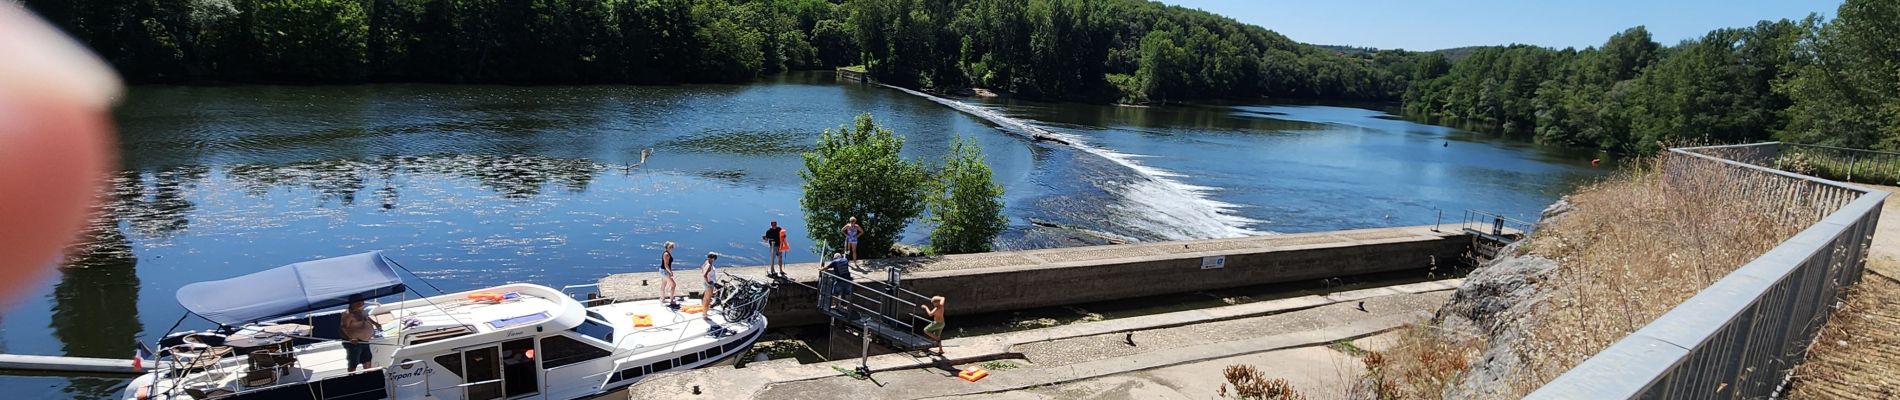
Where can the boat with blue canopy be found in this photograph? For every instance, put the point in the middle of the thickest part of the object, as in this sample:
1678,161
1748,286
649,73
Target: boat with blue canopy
278,335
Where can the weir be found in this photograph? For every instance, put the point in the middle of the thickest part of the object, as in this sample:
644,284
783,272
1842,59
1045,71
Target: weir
1017,280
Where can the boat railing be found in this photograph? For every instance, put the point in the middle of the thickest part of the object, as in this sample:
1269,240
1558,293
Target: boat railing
593,298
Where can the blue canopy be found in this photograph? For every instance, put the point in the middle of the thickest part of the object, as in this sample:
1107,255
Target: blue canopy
290,289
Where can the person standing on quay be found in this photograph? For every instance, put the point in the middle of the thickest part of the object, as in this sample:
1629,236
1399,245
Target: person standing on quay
666,276
775,239
851,233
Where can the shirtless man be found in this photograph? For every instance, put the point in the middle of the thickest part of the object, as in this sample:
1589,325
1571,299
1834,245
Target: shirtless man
358,329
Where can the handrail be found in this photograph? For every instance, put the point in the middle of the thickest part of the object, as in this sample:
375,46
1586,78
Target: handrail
1497,222
882,298
1841,148
1741,336
565,288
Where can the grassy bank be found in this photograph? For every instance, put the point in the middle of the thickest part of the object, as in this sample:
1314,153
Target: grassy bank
1623,252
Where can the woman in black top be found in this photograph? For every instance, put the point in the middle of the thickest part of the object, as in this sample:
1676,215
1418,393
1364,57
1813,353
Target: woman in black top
666,274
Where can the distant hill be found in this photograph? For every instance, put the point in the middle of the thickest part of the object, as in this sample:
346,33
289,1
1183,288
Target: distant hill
1458,53
1347,50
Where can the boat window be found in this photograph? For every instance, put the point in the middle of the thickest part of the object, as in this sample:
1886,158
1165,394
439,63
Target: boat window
660,366
631,373
595,315
558,351
689,359
451,362
710,353
510,322
595,329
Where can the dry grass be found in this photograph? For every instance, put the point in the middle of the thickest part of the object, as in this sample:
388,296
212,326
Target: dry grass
1423,364
1635,246
1249,384
1857,354
1630,248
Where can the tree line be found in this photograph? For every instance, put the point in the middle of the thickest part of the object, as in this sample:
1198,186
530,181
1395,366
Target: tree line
513,41
1807,80
1813,81
1115,50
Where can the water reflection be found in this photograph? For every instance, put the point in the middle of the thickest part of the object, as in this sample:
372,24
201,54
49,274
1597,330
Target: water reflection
95,303
154,204
511,176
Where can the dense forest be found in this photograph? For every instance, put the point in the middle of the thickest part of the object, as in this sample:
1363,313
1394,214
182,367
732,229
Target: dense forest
1128,50
1812,81
1832,82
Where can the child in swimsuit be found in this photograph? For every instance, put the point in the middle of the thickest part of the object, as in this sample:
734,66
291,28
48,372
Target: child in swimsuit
935,329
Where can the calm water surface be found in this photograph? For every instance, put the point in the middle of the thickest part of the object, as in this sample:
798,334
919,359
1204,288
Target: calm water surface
471,186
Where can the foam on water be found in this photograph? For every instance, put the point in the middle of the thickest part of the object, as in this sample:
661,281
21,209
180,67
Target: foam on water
1158,202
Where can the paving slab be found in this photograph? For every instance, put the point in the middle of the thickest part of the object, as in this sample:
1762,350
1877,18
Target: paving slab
1305,321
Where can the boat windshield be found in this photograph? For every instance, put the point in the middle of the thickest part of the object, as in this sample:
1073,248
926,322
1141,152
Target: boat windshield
595,328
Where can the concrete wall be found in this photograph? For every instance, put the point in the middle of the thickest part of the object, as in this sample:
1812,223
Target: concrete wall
1055,277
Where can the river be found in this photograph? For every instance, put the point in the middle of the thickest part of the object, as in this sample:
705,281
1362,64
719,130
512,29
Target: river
479,185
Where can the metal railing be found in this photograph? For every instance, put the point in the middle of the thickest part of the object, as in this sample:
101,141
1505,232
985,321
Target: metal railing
1852,165
1742,336
1494,224
885,302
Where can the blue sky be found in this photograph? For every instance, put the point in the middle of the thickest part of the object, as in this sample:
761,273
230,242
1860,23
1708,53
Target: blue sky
1439,24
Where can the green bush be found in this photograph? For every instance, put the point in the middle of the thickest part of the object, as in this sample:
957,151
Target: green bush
856,172
965,207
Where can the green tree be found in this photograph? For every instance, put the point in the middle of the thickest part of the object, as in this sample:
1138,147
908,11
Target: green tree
967,207
1163,66
856,172
1848,91
312,40
731,54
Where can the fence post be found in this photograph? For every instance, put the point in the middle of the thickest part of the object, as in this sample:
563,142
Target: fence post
1853,165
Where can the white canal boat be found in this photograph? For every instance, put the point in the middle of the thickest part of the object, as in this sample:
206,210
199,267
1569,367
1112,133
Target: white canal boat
516,341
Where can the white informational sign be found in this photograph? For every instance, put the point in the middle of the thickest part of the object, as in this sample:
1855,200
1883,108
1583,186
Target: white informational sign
1214,262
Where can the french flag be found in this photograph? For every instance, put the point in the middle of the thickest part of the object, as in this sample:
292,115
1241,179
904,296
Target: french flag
139,355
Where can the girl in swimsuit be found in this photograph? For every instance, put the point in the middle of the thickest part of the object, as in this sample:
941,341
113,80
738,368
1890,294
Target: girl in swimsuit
666,274
851,233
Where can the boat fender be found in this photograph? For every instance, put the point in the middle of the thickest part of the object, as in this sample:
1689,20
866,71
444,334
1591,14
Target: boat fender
486,297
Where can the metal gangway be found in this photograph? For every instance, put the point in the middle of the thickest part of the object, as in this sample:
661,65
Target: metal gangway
1491,233
882,310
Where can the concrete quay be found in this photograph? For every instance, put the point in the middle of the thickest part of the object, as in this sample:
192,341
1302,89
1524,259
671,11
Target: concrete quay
1015,280
1194,344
